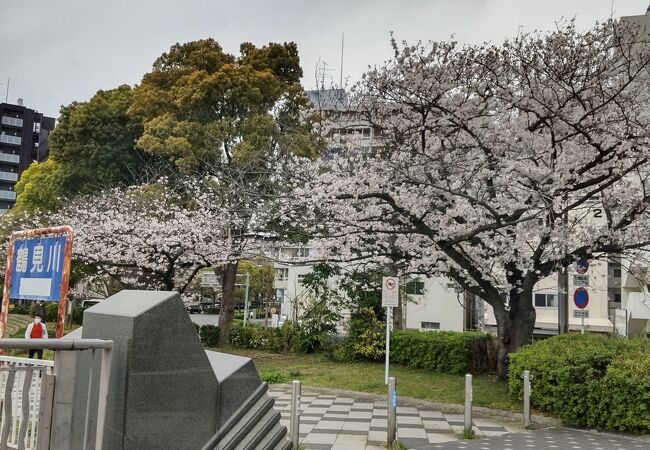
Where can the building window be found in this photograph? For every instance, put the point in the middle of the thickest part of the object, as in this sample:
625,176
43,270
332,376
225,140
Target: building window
281,274
617,298
295,252
301,279
581,280
617,273
545,300
415,287
430,325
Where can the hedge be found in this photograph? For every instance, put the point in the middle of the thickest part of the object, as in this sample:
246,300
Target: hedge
447,352
588,380
209,335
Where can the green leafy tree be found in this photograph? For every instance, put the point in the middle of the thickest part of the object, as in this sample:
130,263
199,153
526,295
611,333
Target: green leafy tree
92,147
232,117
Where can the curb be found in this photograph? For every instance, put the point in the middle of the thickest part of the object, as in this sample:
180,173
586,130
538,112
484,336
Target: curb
479,411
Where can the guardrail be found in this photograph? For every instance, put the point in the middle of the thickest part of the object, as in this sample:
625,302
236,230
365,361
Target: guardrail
28,380
20,388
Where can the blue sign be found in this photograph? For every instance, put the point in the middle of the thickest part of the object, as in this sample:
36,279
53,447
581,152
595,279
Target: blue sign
581,298
37,268
582,265
394,399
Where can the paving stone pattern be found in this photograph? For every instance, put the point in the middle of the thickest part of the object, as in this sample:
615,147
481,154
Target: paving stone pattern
551,439
337,422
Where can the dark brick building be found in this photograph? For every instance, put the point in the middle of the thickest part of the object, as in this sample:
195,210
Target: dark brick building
23,140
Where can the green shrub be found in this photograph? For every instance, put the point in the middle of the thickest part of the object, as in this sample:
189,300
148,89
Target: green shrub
291,337
209,335
365,339
243,336
588,380
77,315
271,376
211,310
447,352
18,309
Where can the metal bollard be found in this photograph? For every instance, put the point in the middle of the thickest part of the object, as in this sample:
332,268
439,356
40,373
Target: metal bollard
294,425
392,412
469,395
527,421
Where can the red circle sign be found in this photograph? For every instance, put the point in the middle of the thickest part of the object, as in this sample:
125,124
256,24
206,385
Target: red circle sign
390,283
581,298
582,265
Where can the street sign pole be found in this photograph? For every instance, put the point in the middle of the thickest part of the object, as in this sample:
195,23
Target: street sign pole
389,314
248,283
65,281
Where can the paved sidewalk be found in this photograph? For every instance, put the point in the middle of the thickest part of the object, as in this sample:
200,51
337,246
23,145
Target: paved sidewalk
342,420
551,439
337,421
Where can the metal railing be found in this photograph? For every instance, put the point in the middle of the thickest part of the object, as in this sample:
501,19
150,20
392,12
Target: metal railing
9,139
20,386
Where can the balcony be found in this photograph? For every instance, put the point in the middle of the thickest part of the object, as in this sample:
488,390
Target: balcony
8,139
12,121
7,195
8,176
9,158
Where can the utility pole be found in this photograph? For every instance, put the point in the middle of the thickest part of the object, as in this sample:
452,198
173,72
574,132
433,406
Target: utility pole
563,282
248,283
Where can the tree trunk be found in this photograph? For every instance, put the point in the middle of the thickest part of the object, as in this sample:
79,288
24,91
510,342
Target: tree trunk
227,310
514,327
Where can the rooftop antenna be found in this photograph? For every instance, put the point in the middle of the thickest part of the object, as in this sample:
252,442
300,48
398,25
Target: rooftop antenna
7,91
342,44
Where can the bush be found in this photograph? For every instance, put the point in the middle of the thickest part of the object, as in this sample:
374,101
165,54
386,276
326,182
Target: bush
290,337
209,335
243,337
77,315
366,338
17,309
47,310
588,380
447,352
271,376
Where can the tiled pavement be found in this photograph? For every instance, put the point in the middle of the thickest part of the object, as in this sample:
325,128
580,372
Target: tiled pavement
551,439
337,422
352,421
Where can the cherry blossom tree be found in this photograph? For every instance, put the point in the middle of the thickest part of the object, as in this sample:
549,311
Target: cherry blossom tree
160,235
500,164
143,236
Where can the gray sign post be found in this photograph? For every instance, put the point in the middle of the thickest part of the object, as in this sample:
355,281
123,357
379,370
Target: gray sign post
294,425
527,420
392,412
469,393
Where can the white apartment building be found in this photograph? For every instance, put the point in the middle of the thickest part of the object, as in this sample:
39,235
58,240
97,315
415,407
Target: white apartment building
433,303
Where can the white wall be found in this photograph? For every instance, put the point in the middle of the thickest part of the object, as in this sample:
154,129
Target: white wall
439,304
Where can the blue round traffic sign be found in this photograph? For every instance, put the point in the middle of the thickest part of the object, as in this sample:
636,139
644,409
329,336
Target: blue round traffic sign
581,298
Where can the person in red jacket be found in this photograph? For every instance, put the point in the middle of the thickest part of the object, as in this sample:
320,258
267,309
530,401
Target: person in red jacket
36,330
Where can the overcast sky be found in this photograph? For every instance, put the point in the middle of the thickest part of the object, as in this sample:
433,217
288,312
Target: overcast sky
59,51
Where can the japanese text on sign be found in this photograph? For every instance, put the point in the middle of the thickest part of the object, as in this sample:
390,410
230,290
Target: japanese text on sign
37,268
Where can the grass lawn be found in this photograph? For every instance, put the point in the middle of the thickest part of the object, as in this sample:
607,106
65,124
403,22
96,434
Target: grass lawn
318,370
